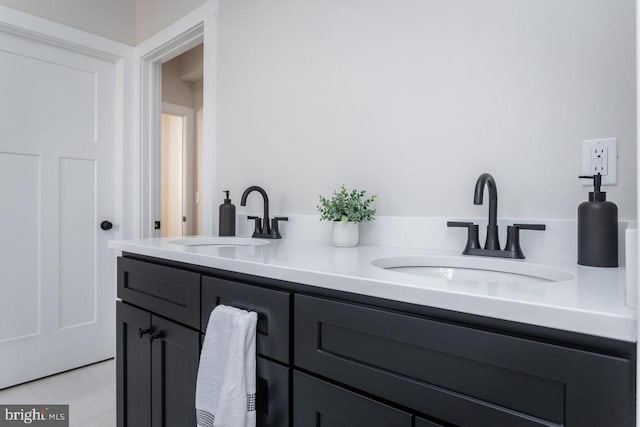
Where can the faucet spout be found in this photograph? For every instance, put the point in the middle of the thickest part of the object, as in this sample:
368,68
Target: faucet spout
486,180
266,228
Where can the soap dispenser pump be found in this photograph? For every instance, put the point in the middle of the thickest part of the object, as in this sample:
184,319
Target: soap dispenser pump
227,218
597,228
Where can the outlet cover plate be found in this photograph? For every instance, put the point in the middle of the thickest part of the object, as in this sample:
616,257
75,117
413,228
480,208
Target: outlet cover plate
600,155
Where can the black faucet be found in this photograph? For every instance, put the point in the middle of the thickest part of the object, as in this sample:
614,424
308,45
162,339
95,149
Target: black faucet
263,229
492,244
492,229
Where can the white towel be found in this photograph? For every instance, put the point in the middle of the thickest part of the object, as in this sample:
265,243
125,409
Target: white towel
226,386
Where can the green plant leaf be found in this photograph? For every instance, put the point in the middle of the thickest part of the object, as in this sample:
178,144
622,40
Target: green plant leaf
347,206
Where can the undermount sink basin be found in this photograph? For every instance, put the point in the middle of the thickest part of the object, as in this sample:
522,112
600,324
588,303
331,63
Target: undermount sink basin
472,270
219,241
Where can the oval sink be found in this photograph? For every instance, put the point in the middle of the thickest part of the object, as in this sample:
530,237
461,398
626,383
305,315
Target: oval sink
219,241
472,270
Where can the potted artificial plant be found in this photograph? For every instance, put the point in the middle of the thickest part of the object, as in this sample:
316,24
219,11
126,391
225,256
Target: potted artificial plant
346,209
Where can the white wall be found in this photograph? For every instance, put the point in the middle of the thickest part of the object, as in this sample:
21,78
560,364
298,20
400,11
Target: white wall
113,19
413,99
175,90
154,15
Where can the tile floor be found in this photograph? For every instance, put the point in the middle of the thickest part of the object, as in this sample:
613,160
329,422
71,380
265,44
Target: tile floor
89,391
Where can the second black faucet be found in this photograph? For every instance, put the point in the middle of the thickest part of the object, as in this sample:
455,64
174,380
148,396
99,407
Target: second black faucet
492,244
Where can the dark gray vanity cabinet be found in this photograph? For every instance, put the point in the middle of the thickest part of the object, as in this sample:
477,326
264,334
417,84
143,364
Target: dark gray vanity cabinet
161,323
332,359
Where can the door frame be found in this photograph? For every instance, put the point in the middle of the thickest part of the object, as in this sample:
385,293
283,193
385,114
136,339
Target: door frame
188,161
123,56
197,27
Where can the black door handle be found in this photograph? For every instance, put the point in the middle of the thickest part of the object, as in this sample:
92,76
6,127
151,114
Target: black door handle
106,225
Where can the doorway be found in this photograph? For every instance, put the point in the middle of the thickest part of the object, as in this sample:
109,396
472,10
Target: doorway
180,144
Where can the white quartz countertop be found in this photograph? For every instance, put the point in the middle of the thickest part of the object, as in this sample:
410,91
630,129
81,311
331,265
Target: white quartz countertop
592,301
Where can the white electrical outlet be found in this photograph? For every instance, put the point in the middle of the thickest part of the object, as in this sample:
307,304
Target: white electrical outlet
600,156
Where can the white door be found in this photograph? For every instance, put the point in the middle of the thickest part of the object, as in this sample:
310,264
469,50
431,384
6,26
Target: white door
57,284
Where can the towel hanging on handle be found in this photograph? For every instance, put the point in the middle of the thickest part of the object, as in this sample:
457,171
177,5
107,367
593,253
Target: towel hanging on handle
226,385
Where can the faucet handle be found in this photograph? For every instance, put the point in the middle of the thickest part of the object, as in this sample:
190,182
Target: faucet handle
538,227
258,225
275,230
472,234
513,237
459,224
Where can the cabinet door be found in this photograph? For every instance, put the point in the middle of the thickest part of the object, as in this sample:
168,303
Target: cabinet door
133,366
175,355
272,394
317,403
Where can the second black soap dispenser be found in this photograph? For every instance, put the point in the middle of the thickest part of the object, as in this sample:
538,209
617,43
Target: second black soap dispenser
597,228
227,218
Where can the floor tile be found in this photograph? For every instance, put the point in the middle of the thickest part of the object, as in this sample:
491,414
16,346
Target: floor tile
89,392
104,371
86,395
18,394
105,420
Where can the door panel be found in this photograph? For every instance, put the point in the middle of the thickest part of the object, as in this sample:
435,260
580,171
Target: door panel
78,278
19,308
56,82
57,143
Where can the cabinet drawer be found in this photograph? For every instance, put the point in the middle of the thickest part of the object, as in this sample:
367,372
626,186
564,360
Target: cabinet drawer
167,291
272,307
458,374
317,403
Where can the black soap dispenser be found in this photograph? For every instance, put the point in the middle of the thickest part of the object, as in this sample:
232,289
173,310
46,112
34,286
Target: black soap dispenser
597,228
227,218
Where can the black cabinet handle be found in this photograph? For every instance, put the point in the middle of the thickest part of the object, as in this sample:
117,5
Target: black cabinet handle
142,332
156,336
106,225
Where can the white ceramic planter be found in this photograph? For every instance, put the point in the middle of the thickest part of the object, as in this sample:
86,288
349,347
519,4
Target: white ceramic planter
345,234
